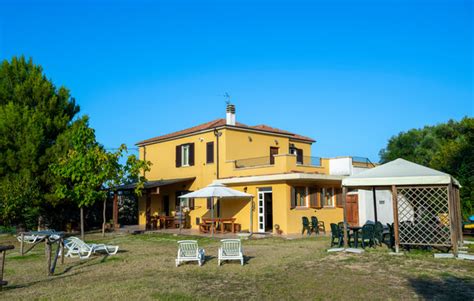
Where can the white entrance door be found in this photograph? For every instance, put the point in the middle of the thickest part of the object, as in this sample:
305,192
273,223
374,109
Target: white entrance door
264,199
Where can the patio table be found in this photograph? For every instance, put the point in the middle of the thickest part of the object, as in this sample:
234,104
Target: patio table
222,221
166,221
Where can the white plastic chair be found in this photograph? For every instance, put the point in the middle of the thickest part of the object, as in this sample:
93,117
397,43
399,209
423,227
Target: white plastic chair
231,249
77,248
188,250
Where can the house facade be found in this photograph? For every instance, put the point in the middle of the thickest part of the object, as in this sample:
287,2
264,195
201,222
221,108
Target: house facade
273,165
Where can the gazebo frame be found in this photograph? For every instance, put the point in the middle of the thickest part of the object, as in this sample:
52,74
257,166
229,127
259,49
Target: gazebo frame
412,227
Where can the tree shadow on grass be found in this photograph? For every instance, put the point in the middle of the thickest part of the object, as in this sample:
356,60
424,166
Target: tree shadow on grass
66,273
447,288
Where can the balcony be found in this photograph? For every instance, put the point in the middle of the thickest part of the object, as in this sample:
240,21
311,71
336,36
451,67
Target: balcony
309,161
281,163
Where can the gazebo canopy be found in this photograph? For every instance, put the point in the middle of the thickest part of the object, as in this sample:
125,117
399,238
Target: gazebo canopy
399,172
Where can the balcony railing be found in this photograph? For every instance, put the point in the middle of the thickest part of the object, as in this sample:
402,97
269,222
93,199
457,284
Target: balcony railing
252,162
362,161
309,161
264,161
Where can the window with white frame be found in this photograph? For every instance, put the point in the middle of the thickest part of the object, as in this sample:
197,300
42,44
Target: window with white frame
185,155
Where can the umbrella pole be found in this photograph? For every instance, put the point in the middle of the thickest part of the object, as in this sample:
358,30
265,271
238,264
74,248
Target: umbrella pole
212,218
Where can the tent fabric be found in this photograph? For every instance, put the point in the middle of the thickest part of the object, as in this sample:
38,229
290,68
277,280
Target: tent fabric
216,190
399,172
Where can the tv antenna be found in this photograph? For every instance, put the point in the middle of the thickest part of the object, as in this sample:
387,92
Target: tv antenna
227,97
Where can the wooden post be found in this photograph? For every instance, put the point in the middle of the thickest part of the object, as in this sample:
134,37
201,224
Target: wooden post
452,218
21,243
395,218
2,283
115,210
344,195
82,223
459,216
3,250
47,253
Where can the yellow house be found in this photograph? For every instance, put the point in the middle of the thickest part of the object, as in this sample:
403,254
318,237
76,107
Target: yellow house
275,166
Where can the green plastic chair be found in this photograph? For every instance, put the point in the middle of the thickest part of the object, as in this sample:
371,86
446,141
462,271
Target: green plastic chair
378,235
336,234
368,234
306,226
317,226
389,239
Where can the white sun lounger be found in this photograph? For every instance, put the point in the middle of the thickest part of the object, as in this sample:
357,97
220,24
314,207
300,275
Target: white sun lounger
231,249
188,250
35,236
77,248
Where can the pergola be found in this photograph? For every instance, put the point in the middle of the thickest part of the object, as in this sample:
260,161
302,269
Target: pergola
426,206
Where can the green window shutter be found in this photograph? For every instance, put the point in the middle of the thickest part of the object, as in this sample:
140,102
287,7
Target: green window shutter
191,204
209,203
191,154
293,198
178,155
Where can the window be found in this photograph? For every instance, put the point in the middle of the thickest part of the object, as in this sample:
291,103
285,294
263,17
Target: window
185,155
327,195
210,152
300,196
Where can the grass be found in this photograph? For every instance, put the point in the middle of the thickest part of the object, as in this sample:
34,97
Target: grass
276,269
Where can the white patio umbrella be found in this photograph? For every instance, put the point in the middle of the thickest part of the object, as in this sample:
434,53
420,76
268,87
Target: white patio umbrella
219,191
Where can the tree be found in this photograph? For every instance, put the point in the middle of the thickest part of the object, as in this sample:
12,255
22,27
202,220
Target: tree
132,172
87,171
448,147
33,113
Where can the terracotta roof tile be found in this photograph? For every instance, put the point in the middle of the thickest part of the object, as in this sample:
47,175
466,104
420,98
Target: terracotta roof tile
222,122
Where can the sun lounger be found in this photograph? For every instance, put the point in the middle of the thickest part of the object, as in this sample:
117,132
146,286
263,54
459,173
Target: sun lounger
77,248
231,249
188,250
35,236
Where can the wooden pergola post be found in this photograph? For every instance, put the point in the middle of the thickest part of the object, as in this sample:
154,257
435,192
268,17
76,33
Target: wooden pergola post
452,219
115,210
395,218
344,195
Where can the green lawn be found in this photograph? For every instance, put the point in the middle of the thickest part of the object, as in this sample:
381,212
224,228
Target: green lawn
276,269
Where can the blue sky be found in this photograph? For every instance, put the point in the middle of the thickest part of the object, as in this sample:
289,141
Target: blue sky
349,74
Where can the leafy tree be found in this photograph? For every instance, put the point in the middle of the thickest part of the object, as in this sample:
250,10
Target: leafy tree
33,113
87,171
448,147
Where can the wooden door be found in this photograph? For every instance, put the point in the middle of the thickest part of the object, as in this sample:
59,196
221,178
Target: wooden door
352,209
273,152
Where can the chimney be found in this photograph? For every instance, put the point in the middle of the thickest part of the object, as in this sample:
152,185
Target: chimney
230,115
